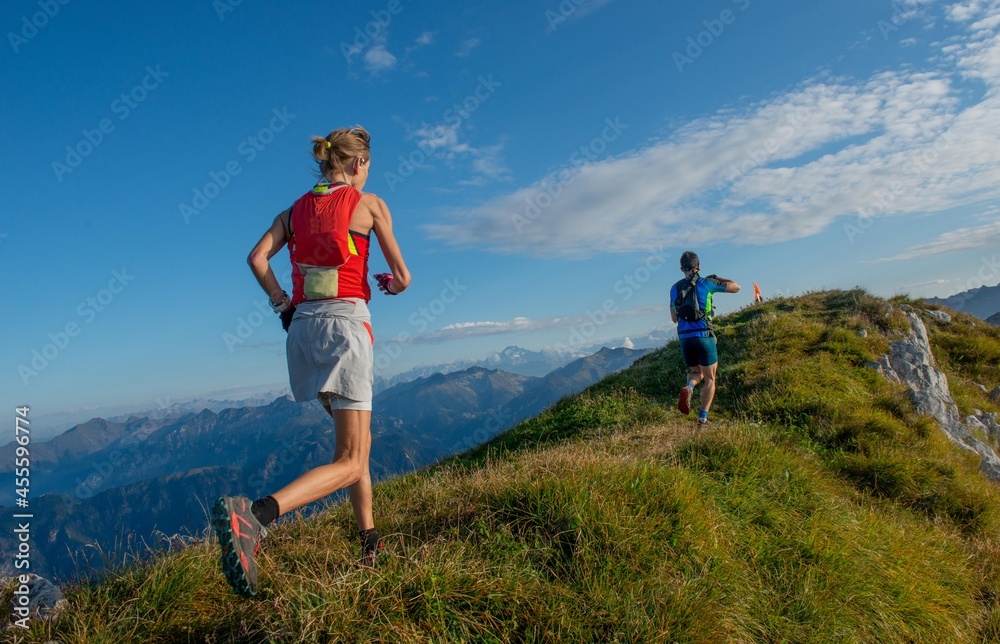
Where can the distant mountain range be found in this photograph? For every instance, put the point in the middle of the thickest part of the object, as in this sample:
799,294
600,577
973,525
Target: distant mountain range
111,481
994,319
983,302
46,426
527,362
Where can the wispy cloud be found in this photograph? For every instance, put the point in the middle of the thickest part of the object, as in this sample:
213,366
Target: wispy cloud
425,39
467,46
825,152
519,325
922,284
987,236
379,59
447,142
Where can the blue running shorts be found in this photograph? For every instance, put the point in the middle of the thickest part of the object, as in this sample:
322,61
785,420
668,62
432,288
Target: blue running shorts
699,352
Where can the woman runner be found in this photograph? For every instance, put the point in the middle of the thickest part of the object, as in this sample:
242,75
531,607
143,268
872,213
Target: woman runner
329,342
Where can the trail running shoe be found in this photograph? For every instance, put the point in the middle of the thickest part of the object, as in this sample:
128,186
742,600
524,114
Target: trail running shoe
684,401
703,422
239,533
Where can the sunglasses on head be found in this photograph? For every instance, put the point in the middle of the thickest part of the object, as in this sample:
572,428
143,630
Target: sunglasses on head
361,134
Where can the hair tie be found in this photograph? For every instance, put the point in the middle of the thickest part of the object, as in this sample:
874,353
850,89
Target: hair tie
328,145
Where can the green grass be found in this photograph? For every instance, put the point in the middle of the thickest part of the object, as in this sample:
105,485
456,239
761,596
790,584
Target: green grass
819,507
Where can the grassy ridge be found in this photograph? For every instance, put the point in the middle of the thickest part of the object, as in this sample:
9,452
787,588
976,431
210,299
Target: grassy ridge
820,508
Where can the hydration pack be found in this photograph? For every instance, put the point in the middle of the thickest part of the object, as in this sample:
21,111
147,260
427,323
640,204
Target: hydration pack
686,303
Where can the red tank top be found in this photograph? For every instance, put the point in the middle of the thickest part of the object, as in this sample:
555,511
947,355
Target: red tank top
313,249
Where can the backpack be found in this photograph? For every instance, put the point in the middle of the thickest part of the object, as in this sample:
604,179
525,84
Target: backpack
686,303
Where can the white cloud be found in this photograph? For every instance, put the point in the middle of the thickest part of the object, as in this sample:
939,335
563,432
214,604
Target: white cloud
901,142
445,141
425,39
379,59
987,236
462,330
923,284
467,46
439,137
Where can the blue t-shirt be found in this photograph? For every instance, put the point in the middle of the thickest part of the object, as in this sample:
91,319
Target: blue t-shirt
706,287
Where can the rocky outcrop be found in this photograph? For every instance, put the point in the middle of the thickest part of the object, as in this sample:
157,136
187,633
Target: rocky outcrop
910,361
34,598
985,422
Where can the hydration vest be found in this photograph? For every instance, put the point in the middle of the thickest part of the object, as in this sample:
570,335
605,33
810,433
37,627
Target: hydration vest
694,318
328,260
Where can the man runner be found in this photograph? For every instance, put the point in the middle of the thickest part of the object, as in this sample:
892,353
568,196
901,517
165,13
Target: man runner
691,308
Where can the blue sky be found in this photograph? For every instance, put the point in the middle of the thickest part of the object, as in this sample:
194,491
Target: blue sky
545,163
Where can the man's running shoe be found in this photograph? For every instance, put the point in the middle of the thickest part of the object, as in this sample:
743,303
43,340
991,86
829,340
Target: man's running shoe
703,422
684,401
239,533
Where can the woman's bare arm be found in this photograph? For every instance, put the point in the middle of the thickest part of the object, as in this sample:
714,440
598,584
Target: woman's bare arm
382,225
259,260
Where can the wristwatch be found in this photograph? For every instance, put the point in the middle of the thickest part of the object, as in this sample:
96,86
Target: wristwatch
281,306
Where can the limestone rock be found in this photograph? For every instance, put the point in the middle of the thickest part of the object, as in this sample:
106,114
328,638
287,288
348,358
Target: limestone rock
989,420
940,316
911,361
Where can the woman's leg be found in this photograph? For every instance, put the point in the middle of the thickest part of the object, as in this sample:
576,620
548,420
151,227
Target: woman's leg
349,467
361,491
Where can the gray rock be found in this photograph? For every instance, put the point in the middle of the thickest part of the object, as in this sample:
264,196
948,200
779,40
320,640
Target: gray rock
886,368
911,361
940,316
45,599
995,396
862,333
989,420
983,389
973,423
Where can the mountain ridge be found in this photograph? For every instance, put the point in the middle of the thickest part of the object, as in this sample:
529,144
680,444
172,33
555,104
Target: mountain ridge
820,506
982,302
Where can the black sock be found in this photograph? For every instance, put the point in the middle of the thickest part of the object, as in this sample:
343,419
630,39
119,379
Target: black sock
369,539
266,510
